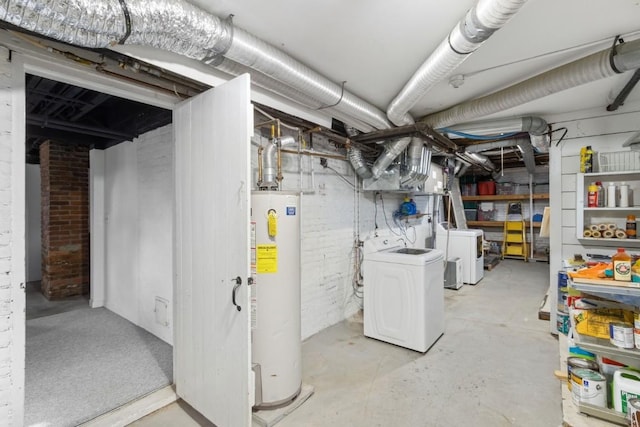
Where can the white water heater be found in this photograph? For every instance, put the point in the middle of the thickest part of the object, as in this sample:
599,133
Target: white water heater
275,297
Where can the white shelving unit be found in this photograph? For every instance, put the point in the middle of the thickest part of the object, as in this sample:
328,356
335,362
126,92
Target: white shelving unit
586,216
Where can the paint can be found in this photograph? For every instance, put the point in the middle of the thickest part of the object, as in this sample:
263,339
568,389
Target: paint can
636,329
588,386
633,411
621,334
579,363
562,321
562,291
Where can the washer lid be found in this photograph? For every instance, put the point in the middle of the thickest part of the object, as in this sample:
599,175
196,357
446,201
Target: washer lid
407,256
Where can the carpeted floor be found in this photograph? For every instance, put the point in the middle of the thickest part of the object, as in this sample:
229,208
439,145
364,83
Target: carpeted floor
85,362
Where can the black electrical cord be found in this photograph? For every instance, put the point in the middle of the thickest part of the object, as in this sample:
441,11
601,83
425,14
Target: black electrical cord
561,137
127,22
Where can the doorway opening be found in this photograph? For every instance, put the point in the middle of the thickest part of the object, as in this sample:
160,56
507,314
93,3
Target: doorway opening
99,221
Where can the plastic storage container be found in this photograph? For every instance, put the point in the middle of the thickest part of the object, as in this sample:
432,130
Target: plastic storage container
486,188
626,385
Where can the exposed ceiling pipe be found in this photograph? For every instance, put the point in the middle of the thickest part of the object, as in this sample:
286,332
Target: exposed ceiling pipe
179,27
603,64
480,22
478,25
261,80
355,157
536,127
523,144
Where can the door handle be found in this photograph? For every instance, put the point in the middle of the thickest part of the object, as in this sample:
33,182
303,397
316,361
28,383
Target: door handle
238,281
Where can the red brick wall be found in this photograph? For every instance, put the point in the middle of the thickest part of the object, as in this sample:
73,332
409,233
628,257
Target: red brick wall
64,171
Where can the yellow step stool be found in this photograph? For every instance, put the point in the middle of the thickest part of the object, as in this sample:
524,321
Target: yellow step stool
514,241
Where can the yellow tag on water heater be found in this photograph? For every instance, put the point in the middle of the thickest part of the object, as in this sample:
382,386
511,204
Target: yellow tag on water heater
272,223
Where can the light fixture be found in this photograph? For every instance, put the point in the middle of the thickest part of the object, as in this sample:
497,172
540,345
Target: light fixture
633,142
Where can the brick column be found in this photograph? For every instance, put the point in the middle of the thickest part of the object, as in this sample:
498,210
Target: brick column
64,172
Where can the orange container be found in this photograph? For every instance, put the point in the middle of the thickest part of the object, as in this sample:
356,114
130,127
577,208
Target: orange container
486,188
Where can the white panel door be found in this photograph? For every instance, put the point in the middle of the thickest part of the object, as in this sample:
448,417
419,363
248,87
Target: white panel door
212,347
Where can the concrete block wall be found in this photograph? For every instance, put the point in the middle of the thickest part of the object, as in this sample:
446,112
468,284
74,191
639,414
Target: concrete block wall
64,171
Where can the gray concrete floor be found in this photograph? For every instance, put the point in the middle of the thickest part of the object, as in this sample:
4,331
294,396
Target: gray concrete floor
492,367
39,306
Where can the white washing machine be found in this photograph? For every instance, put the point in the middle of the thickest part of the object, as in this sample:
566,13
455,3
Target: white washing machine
403,293
466,245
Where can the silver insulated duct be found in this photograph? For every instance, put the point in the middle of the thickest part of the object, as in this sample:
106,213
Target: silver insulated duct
603,64
478,25
179,27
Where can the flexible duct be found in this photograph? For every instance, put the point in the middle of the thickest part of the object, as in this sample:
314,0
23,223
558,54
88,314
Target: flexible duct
594,67
355,157
478,25
261,80
179,27
523,144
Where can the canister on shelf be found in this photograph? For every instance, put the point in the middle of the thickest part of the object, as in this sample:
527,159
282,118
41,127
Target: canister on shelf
631,227
624,195
611,195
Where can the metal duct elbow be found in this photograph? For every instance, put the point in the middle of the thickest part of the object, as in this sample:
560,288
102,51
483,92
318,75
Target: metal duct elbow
534,125
269,167
460,168
391,151
482,161
540,142
355,156
358,163
417,164
527,155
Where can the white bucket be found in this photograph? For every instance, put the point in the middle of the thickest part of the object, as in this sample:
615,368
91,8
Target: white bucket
626,385
588,386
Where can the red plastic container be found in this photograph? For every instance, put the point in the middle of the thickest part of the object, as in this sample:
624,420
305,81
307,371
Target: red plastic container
486,188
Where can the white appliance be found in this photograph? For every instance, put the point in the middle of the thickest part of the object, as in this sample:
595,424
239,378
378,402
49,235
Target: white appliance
453,274
275,297
466,245
403,293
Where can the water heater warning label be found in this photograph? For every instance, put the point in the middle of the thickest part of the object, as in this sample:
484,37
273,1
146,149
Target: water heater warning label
267,258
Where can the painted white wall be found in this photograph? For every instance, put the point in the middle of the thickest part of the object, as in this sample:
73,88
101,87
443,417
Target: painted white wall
33,225
605,132
12,239
138,193
97,227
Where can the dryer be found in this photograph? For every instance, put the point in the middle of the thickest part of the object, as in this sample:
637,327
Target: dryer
403,293
466,245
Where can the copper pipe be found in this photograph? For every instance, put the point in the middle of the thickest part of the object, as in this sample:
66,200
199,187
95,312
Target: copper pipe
315,154
260,150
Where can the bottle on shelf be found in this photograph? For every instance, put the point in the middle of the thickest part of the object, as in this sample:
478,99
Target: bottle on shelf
586,159
611,195
600,194
621,265
631,227
624,195
592,196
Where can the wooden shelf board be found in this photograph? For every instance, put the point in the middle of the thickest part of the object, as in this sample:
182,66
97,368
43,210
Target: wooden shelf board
505,197
601,241
498,224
